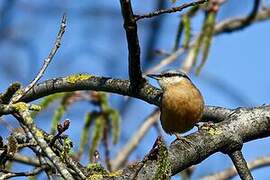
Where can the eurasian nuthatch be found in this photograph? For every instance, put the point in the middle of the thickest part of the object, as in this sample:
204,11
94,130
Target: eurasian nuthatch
182,103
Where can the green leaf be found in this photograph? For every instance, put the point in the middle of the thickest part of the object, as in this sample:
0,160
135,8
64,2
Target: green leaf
89,118
187,28
115,122
45,102
97,135
208,36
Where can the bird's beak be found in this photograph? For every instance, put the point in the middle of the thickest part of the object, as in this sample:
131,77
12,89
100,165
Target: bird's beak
154,76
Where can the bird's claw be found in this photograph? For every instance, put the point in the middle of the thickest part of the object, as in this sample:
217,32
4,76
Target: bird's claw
183,139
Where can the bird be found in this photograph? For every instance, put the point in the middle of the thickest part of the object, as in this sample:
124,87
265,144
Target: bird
182,103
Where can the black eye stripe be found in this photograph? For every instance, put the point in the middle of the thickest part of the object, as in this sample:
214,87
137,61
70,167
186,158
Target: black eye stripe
174,74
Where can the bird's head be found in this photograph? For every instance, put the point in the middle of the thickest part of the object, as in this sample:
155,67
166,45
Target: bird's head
171,77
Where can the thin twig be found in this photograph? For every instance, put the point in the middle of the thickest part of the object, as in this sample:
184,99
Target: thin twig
122,156
239,23
24,159
8,174
244,21
170,10
46,61
12,89
154,29
27,123
231,172
225,26
166,61
241,165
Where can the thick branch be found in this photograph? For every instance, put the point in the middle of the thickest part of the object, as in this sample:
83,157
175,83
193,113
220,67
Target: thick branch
243,125
215,114
147,93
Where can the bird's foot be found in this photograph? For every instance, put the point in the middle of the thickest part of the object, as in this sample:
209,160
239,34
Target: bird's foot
183,139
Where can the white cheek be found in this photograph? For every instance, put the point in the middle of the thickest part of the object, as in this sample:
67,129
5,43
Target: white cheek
174,79
167,81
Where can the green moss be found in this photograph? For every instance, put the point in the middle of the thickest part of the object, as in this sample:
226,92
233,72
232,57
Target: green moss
66,148
212,130
77,77
34,107
164,166
149,91
39,134
95,177
115,173
20,106
96,169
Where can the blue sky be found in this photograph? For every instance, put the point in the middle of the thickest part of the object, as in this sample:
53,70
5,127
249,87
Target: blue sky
95,43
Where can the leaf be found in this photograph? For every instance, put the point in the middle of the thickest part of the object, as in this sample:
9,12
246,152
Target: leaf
115,122
208,36
97,136
89,118
47,101
187,28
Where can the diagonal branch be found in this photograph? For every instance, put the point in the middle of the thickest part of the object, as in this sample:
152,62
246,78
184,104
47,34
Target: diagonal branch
231,172
241,165
170,10
226,26
46,61
131,145
239,23
24,117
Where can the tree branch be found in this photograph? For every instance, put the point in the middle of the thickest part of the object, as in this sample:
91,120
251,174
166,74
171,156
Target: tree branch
130,25
170,10
147,93
241,165
24,117
8,174
46,61
239,23
124,153
231,172
245,124
226,26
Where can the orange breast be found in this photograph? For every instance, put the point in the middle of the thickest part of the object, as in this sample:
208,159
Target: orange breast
182,108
